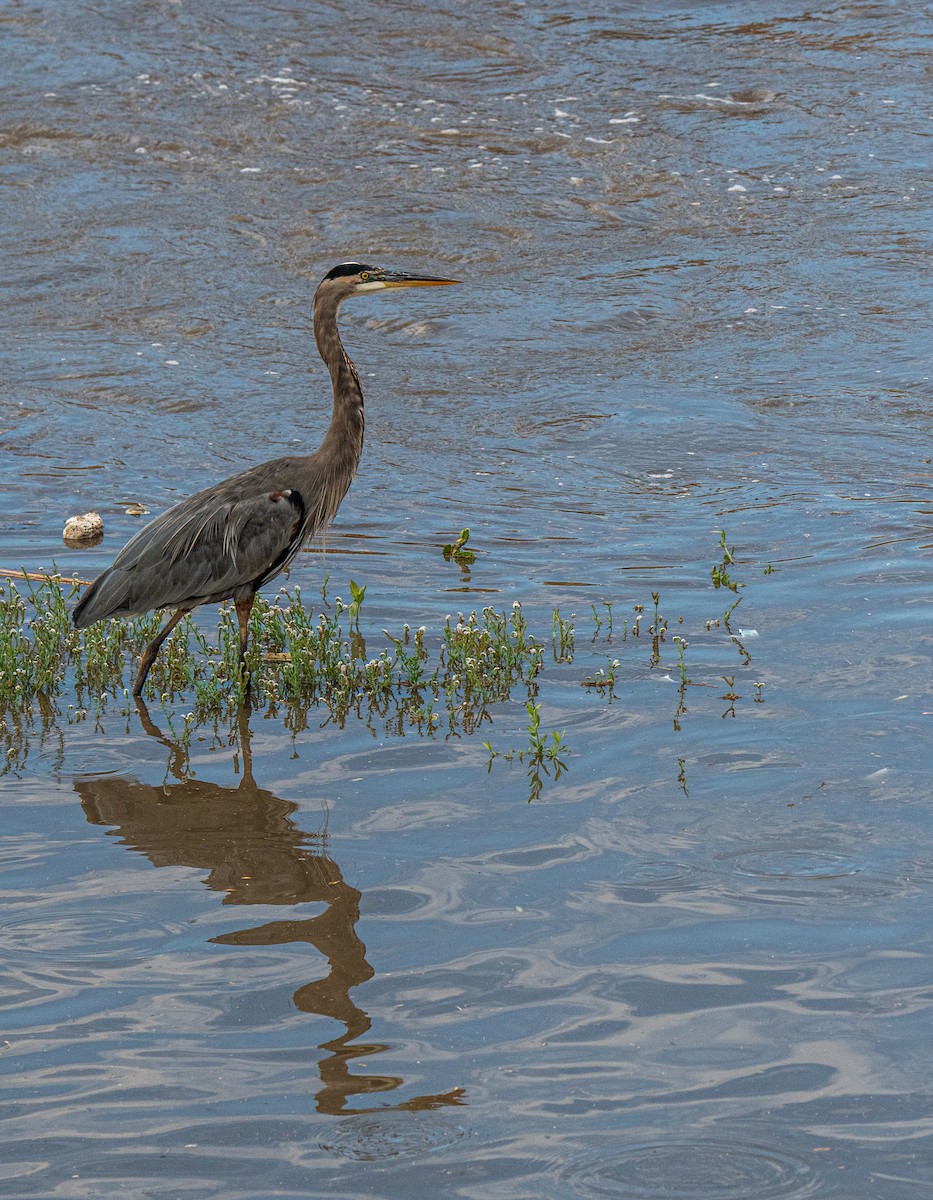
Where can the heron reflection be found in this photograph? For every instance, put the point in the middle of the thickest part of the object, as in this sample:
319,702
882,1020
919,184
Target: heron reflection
246,838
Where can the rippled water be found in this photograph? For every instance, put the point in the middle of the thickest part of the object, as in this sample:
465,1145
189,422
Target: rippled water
694,245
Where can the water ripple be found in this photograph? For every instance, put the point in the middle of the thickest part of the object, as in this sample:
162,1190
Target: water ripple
692,1170
782,863
88,935
377,1135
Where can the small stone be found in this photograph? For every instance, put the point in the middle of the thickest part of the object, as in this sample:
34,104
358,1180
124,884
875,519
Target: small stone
85,530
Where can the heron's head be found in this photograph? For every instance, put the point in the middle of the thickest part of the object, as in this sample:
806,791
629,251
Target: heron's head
352,278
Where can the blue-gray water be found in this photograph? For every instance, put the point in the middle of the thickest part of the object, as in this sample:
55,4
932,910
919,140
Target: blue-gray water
695,247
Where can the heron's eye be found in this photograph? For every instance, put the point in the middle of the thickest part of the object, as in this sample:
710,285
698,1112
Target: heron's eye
364,275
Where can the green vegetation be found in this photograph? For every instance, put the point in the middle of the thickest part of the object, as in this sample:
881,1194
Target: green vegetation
542,754
722,579
298,659
562,638
457,551
310,663
357,595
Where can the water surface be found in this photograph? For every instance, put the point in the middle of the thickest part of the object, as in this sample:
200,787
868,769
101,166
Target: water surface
694,245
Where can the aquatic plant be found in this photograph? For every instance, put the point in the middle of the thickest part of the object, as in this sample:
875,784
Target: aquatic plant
562,637
457,551
299,657
598,620
543,754
721,577
313,663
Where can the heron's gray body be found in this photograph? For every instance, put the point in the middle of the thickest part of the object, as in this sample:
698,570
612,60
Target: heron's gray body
228,540
236,535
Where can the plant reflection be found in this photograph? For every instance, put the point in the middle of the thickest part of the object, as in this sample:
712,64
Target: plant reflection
245,837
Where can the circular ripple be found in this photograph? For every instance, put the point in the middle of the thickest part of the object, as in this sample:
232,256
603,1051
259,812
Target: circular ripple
652,879
792,864
375,1136
82,936
663,871
693,1170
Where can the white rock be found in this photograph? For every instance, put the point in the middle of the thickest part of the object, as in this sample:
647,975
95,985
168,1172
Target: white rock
86,528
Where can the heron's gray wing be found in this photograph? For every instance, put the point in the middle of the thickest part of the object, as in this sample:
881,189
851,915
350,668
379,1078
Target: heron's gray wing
234,542
205,548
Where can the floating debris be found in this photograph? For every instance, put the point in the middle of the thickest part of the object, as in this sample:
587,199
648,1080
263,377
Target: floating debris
84,530
136,508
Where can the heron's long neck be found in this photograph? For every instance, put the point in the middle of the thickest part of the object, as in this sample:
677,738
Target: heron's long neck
343,443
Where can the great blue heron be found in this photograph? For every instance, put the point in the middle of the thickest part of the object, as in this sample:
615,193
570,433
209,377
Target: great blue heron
230,539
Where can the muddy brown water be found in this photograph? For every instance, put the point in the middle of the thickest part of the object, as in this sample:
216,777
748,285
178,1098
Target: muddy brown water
695,250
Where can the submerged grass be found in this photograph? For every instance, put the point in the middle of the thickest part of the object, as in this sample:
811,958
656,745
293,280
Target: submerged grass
299,658
314,659
543,754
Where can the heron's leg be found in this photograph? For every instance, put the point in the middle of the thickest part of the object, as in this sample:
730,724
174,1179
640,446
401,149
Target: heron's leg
149,654
178,762
244,606
246,711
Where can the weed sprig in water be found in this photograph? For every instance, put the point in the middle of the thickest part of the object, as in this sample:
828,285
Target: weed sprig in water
314,659
298,658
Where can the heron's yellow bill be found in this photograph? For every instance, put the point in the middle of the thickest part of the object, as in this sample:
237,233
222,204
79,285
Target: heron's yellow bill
398,279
